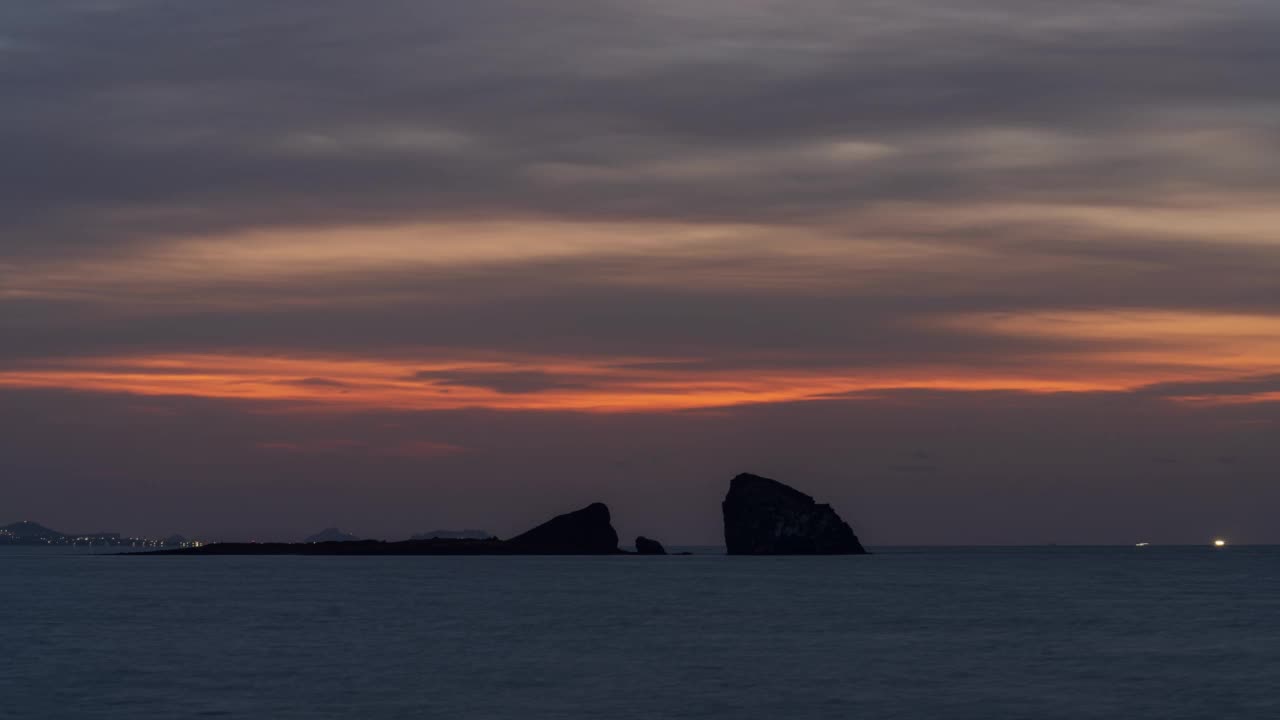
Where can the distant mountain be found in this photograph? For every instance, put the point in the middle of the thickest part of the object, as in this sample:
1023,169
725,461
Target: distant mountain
453,535
30,531
331,535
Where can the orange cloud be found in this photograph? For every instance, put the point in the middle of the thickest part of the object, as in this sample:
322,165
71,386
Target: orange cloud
1105,351
412,449
604,386
1155,348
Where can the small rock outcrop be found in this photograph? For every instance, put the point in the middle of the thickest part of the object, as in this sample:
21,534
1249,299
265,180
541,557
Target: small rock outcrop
766,517
588,531
645,546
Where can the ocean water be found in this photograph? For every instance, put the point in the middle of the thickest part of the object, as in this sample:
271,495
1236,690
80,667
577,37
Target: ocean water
906,633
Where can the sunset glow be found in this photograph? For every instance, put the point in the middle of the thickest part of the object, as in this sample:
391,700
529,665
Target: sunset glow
605,385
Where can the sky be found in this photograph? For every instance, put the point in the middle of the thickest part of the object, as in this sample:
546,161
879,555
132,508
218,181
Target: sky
992,271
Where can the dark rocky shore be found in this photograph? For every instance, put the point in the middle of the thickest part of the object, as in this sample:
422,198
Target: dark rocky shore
761,517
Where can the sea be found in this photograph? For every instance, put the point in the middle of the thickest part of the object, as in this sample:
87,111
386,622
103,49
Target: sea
927,633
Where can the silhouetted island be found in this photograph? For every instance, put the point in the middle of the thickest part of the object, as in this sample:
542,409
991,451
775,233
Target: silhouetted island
761,517
765,517
588,531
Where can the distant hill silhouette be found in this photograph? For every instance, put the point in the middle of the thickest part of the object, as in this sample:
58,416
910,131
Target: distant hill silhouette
27,530
453,535
331,535
32,533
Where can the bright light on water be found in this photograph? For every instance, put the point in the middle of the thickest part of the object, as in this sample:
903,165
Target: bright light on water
1219,543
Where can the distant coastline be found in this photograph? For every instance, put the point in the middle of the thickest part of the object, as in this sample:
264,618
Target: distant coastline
761,517
32,534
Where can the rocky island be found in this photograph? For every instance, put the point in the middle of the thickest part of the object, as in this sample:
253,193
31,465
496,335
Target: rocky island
588,531
761,517
765,517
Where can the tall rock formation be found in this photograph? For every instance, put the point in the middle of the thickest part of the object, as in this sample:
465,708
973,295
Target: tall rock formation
765,517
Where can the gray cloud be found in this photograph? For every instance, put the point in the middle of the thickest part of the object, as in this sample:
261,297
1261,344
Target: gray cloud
511,383
321,382
1243,386
834,316
147,119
